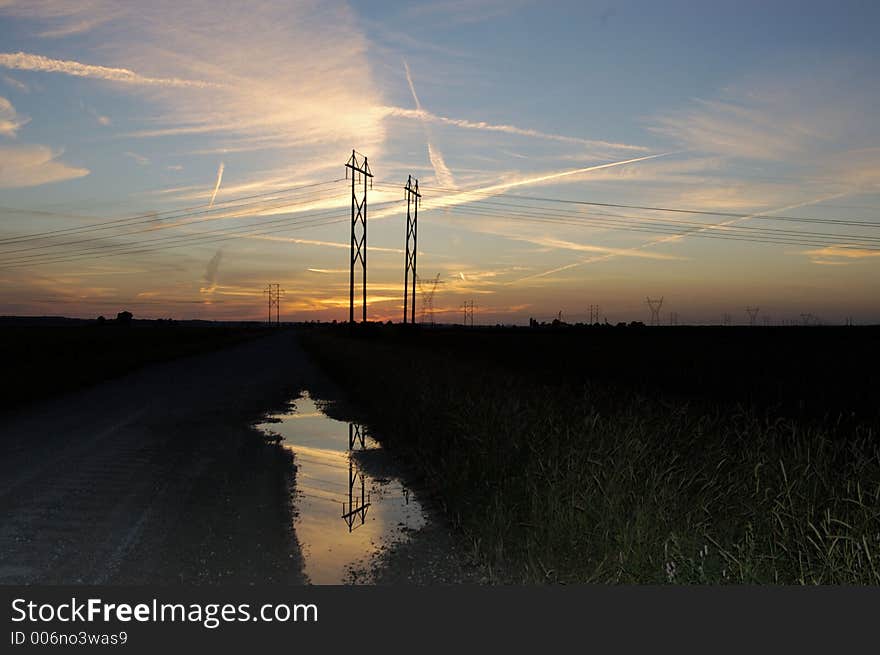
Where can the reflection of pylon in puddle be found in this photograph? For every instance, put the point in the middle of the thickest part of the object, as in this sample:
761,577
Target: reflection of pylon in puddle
354,513
356,435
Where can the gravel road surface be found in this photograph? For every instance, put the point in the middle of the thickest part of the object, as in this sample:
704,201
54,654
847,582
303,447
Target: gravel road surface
155,477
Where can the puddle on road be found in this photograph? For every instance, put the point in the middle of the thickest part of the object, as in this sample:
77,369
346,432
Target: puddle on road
348,503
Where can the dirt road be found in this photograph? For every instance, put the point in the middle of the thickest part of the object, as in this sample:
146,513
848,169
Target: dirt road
155,477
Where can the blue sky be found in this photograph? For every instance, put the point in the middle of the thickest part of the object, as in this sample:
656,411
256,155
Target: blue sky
111,110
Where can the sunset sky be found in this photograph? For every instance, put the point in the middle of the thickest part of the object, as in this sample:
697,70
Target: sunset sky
241,115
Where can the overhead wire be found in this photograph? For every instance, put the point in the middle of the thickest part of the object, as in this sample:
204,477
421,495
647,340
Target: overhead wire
612,223
616,222
153,216
726,214
237,211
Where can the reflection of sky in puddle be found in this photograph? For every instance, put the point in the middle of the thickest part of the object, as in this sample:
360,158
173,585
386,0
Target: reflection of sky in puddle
321,448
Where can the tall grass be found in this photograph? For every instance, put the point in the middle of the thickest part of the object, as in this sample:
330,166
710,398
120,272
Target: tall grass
591,484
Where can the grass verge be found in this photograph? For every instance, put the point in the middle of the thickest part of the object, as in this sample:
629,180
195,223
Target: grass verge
589,483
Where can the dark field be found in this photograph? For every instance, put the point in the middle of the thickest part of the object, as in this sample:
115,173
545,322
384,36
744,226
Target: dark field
646,455
44,358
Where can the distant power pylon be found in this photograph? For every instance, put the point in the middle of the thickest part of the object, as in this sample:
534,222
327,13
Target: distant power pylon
468,308
673,318
411,192
807,318
360,171
655,306
753,314
594,314
274,293
726,319
427,290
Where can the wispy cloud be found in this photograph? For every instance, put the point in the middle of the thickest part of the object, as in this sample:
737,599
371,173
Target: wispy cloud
780,115
64,18
15,84
842,251
278,99
217,185
464,11
74,28
209,279
33,165
679,237
140,159
32,62
562,244
10,120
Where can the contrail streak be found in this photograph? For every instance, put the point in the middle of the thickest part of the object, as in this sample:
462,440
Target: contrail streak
456,198
494,189
412,87
422,114
217,186
441,170
30,62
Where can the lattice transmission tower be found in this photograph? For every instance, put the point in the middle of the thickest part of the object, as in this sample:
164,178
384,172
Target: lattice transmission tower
753,314
655,304
359,169
413,197
427,289
274,292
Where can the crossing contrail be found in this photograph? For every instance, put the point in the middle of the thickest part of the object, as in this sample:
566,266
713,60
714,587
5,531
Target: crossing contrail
424,115
462,197
441,170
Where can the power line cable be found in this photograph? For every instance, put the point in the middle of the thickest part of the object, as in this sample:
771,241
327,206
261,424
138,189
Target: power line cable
624,221
237,212
755,215
151,216
671,231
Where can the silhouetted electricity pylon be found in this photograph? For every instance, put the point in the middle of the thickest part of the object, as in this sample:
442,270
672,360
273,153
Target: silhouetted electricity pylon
274,292
594,314
673,318
411,192
468,308
725,319
427,290
655,306
360,171
753,314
